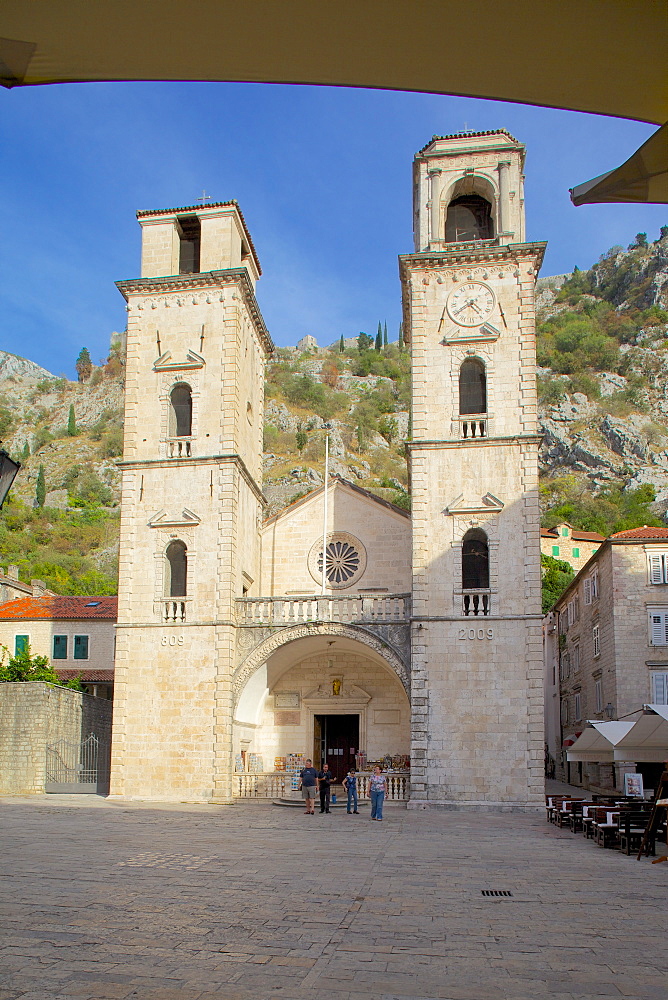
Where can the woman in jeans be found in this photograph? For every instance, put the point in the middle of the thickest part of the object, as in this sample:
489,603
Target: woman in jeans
377,789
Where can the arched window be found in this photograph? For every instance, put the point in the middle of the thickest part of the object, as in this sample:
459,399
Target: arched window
475,560
180,411
176,570
469,218
472,387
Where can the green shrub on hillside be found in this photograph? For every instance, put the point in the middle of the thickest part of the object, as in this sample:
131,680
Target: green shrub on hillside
567,498
555,577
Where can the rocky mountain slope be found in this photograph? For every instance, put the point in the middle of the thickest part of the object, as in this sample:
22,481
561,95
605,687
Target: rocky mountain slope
603,394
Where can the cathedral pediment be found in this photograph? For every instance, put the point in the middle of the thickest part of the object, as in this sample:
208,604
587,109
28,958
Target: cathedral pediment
488,504
165,519
165,363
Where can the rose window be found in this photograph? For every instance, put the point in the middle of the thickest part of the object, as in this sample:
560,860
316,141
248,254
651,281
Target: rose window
346,560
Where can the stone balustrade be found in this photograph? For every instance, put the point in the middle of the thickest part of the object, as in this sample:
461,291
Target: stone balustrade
180,447
278,784
352,608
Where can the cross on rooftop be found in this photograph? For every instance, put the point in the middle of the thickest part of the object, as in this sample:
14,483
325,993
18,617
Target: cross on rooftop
205,197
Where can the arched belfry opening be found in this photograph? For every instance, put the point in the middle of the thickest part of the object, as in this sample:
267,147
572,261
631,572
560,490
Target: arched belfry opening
180,411
469,217
176,569
475,572
472,387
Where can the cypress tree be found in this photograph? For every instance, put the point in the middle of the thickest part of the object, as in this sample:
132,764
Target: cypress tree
385,334
71,423
40,488
401,336
342,346
379,337
25,454
84,365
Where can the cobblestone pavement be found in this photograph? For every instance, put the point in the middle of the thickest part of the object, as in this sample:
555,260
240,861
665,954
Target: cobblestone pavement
103,901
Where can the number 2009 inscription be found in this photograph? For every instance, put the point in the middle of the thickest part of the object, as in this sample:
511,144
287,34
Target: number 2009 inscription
476,633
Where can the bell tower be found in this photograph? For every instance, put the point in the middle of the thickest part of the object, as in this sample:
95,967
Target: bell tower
468,300
191,499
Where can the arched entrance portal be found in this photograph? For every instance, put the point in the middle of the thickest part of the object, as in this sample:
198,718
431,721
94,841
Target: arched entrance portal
329,696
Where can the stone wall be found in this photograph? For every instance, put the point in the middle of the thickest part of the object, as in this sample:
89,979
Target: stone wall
33,715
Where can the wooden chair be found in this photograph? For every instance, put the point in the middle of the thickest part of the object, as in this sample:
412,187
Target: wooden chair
575,817
632,826
606,827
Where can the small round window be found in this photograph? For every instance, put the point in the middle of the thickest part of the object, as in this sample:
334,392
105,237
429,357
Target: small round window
346,560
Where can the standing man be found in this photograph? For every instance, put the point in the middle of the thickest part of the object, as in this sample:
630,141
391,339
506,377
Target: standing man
308,782
325,779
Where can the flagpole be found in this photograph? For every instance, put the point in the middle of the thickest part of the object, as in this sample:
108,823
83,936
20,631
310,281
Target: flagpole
324,519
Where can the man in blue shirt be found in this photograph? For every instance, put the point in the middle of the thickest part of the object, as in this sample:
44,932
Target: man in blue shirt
308,782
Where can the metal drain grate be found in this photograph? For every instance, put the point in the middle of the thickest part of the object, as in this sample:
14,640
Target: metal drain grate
496,892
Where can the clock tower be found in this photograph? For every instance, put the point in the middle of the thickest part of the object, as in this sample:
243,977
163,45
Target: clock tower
468,301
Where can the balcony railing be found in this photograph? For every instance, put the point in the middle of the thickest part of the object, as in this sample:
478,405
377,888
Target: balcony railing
476,603
354,608
180,447
474,425
174,609
278,784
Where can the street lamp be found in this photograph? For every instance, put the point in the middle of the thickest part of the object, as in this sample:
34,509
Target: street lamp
8,470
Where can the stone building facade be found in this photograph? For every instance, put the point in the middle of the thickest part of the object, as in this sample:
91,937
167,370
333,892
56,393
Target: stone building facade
77,634
606,646
569,544
423,638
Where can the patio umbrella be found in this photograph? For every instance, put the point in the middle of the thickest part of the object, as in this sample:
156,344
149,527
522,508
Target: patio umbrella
576,54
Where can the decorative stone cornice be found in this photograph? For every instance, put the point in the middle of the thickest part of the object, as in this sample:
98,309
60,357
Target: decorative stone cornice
204,280
484,442
168,463
165,363
469,254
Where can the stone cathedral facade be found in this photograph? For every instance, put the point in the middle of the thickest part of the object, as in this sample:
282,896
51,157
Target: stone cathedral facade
424,639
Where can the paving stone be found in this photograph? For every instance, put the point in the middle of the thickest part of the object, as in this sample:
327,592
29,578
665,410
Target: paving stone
177,902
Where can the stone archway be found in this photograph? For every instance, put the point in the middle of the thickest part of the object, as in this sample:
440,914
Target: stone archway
281,637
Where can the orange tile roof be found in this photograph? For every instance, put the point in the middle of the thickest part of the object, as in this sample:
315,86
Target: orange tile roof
643,532
89,676
54,606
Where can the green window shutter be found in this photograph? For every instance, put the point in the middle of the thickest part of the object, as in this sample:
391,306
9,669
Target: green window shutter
576,553
21,643
564,532
80,647
555,550
59,647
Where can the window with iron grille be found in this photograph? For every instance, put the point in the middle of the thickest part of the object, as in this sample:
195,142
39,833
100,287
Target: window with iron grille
596,640
578,706
598,696
576,658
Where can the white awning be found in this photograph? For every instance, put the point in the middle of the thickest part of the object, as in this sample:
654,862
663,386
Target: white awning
648,739
597,744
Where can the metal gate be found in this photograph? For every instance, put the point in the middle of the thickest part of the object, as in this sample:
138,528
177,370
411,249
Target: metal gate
77,767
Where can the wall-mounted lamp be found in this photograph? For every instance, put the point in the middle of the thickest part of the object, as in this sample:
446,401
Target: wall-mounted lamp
8,470
610,710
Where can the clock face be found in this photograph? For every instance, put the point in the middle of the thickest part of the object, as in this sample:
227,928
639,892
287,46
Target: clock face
471,303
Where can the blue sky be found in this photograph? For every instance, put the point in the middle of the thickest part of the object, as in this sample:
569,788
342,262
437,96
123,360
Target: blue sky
323,176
